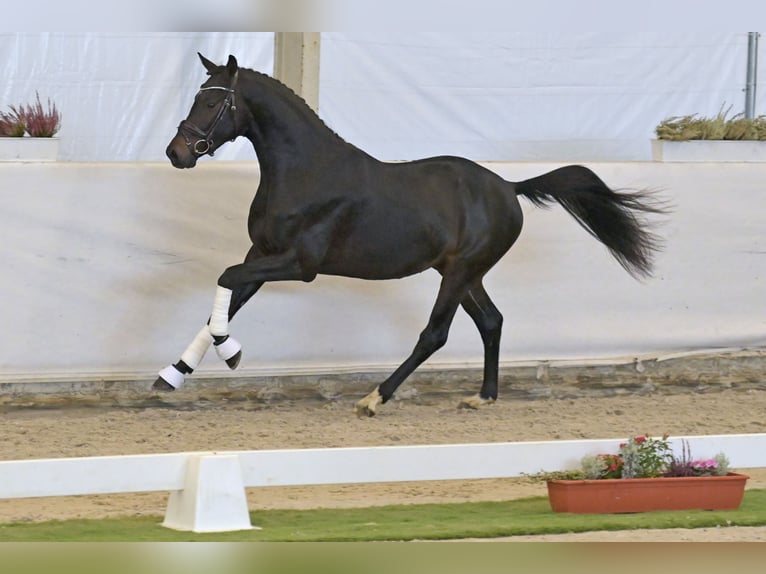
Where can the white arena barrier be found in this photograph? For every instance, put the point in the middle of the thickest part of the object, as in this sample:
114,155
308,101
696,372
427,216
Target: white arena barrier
208,488
160,237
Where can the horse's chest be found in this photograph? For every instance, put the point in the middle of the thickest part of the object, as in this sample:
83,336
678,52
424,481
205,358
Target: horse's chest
273,231
265,235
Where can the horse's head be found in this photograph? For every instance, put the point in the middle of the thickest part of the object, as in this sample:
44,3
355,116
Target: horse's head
213,119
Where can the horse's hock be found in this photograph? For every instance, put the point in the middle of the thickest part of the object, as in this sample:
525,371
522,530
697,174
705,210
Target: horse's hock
740,369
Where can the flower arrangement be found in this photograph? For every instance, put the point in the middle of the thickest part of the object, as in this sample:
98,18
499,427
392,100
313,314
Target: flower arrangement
34,119
642,456
647,457
645,475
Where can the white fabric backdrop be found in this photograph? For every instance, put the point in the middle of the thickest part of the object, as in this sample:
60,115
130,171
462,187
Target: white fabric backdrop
515,96
121,96
487,96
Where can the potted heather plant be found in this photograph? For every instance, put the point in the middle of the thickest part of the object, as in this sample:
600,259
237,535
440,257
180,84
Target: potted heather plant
645,475
11,125
27,132
718,138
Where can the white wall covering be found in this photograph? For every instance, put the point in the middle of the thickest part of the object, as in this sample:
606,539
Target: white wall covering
121,95
524,96
111,268
399,95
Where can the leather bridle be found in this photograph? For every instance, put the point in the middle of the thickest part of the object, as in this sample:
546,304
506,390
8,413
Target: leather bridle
205,141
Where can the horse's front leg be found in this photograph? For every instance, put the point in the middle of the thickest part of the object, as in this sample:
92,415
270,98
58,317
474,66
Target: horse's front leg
235,286
173,376
252,272
226,347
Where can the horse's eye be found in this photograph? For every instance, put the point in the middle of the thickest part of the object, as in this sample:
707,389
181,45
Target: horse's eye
211,104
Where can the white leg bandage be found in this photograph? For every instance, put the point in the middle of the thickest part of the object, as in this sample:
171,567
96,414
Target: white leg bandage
219,318
196,350
172,376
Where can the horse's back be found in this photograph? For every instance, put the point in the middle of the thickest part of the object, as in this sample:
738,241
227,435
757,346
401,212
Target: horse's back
406,217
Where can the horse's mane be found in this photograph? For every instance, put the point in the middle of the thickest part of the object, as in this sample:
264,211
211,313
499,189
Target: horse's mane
288,93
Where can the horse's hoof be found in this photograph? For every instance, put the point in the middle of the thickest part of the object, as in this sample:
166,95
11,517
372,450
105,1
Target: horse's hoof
162,385
233,362
363,411
475,402
366,407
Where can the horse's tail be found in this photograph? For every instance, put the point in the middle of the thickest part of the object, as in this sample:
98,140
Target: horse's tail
612,218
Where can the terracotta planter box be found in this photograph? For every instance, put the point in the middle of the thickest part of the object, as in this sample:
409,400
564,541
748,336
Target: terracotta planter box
610,496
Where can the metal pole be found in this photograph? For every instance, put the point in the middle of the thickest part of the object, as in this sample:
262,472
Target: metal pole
752,74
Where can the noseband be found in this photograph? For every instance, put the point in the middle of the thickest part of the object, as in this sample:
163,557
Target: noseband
204,138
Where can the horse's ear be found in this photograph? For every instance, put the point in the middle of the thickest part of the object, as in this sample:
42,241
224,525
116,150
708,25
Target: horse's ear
209,66
231,65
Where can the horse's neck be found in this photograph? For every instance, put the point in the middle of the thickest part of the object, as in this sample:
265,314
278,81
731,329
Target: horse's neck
285,130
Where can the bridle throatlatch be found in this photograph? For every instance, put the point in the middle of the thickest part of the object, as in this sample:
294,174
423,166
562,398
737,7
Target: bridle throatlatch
204,142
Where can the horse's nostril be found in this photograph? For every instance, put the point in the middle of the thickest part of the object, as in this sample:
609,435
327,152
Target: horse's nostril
171,153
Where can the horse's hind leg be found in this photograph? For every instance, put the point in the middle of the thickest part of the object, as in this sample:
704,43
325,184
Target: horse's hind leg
173,376
452,290
489,321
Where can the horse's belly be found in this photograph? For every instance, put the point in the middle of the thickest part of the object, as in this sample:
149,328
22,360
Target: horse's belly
387,257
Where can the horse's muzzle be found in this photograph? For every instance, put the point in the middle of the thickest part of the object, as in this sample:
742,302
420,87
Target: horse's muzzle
179,155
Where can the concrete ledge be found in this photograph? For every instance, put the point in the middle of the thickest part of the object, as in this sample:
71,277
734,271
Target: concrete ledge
709,151
696,372
28,149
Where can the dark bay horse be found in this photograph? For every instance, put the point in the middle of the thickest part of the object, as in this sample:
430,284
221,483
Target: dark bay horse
325,206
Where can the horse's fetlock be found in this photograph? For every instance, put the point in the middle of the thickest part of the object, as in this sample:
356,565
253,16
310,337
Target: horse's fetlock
183,368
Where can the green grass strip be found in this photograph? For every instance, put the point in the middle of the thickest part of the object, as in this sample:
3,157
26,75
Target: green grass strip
401,522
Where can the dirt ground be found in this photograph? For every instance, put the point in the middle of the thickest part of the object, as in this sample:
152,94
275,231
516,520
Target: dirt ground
72,432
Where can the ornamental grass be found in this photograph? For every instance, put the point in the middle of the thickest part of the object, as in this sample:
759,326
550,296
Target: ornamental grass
11,125
719,127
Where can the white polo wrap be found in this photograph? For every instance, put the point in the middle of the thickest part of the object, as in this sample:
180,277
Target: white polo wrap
196,350
172,376
219,318
228,348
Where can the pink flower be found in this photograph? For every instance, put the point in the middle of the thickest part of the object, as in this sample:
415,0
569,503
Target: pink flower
640,439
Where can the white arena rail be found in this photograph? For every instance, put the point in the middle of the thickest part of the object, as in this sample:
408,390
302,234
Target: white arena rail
208,488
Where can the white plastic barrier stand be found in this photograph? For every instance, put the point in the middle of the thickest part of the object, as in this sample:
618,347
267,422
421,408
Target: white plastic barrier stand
213,498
